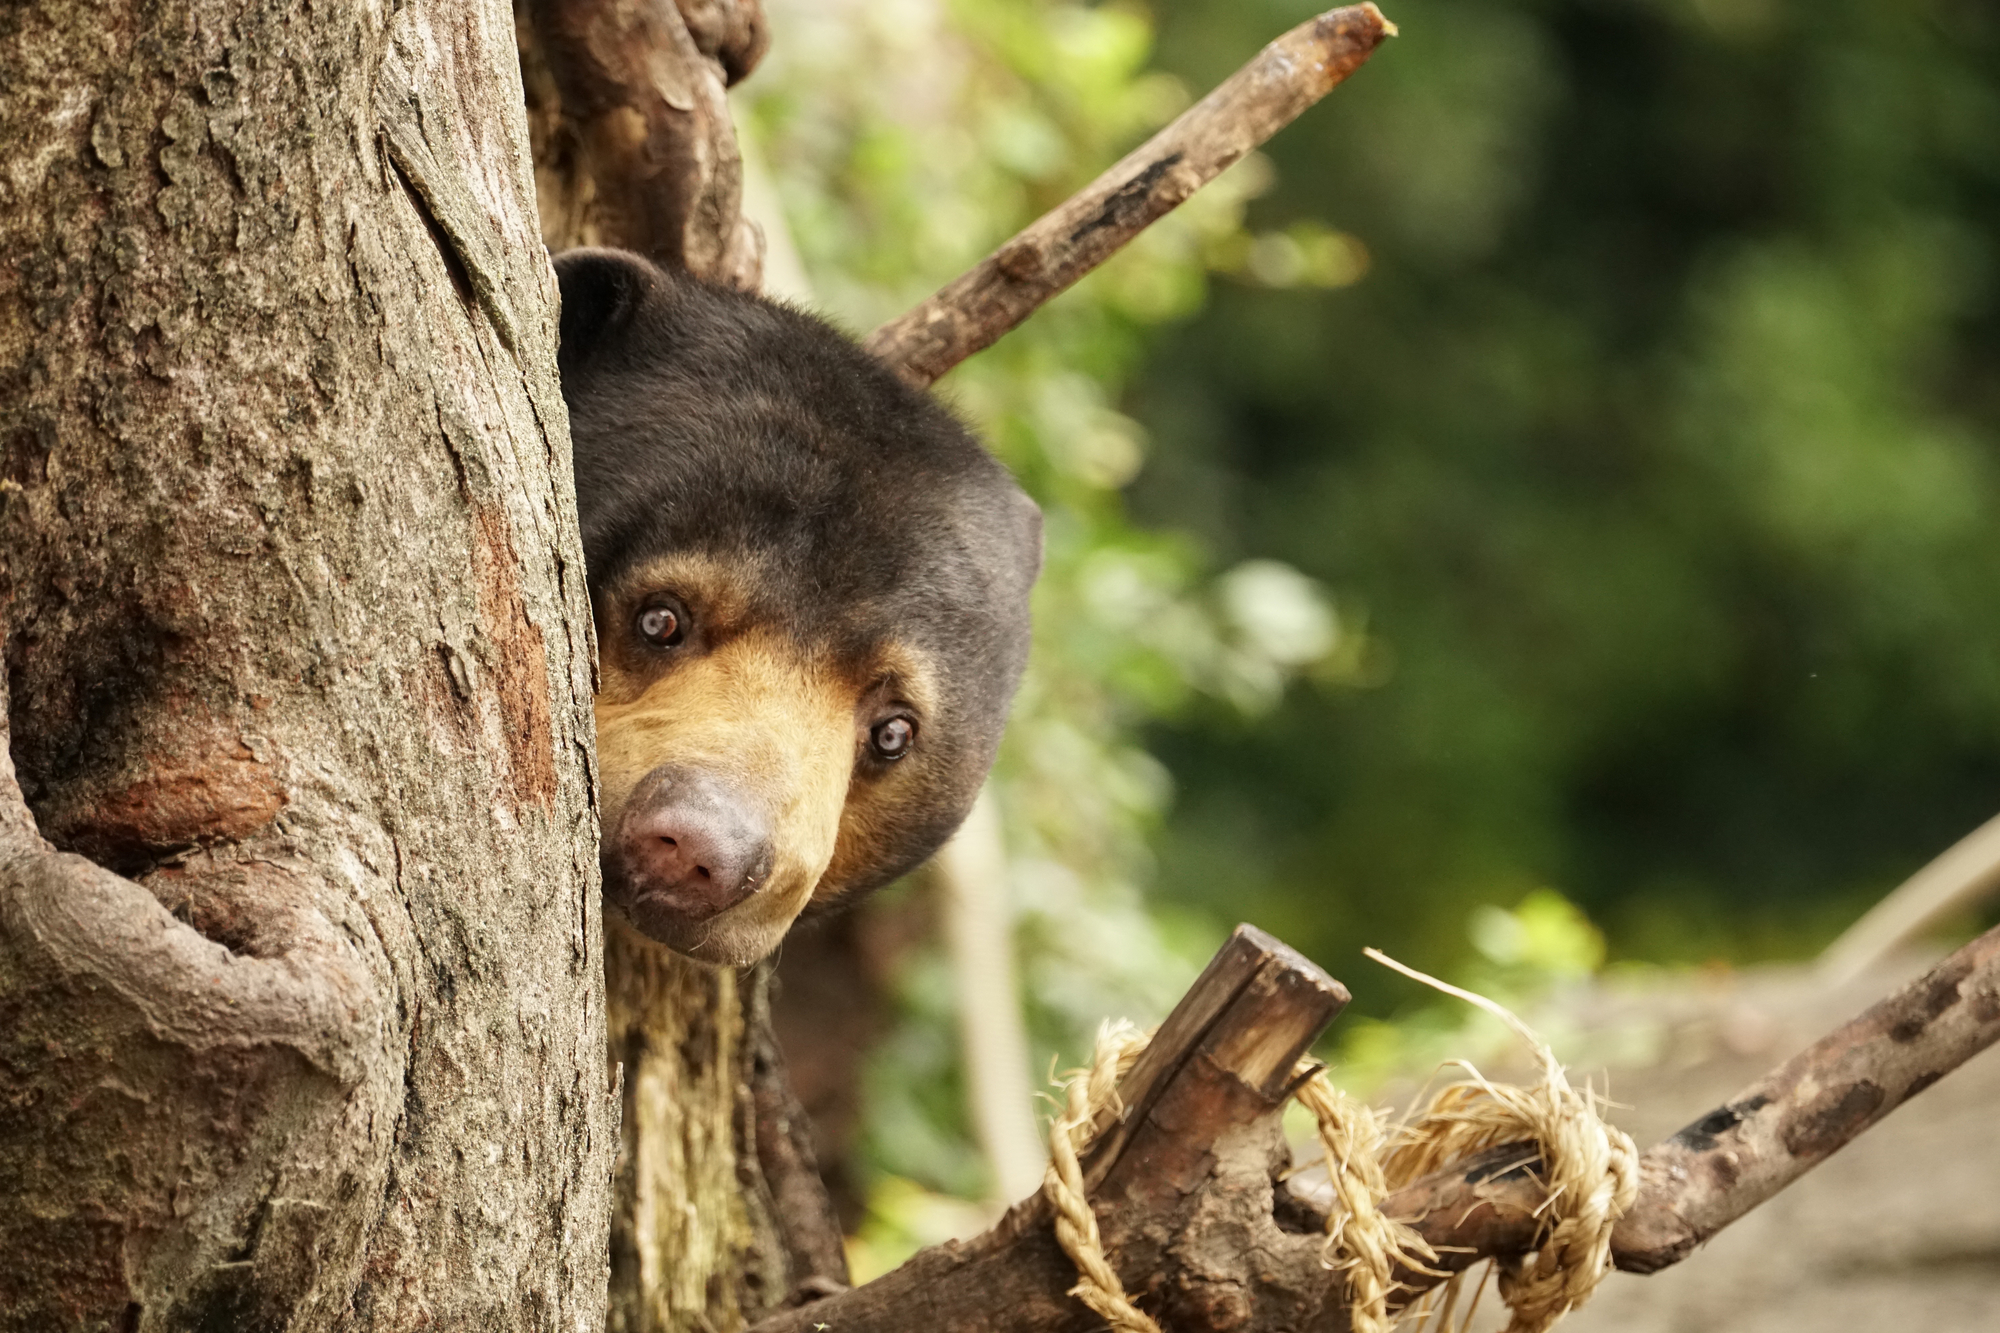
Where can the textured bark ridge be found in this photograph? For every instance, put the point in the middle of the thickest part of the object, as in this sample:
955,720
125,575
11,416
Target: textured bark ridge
633,142
694,1239
300,1018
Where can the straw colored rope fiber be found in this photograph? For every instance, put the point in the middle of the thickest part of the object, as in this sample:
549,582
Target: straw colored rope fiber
1086,1093
1592,1173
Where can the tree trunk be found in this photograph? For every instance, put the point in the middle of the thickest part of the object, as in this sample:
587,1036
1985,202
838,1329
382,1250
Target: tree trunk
694,1245
300,1013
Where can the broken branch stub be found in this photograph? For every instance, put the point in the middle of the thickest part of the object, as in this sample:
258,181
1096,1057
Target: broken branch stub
1182,1180
1260,99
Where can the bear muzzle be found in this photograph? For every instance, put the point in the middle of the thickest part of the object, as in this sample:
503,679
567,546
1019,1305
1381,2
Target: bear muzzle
688,846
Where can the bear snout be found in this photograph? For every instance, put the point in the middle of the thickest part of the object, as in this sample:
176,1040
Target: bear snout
688,847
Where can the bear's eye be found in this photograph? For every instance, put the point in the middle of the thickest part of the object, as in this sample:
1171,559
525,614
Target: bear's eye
662,626
892,737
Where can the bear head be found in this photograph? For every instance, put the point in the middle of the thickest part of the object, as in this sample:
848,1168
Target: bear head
810,590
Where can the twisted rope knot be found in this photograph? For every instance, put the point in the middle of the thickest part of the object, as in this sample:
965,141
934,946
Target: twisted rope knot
1087,1093
1592,1171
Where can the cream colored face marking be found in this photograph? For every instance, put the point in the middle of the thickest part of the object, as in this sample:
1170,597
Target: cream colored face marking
779,724
776,729
907,676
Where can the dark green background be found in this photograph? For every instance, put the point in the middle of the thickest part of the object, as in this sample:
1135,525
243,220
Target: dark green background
1656,453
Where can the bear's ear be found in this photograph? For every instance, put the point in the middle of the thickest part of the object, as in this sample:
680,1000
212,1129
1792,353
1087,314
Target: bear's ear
600,291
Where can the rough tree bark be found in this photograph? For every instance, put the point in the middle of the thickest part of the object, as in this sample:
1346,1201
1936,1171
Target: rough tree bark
301,1024
633,142
633,147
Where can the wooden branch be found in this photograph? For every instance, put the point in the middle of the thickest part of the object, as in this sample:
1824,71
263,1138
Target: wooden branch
1773,1132
780,1135
633,142
1743,1152
1183,1184
1256,102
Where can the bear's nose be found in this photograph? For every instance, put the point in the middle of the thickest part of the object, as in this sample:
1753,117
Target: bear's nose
692,847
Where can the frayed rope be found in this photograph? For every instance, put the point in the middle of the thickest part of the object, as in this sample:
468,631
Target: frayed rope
1592,1171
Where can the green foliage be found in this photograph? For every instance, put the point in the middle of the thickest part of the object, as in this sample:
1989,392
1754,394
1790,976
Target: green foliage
906,142
1658,444
1623,366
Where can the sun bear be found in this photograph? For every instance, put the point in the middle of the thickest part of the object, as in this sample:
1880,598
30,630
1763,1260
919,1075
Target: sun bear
810,589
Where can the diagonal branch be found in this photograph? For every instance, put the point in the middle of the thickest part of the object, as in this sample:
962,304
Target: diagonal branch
1260,99
1745,1151
1175,1200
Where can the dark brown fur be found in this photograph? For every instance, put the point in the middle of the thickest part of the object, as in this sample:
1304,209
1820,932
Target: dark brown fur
844,551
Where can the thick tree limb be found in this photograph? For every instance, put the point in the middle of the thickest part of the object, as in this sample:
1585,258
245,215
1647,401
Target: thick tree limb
1176,1202
1182,1183
1256,102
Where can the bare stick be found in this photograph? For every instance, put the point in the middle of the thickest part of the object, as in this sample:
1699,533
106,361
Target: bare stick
1740,1154
1256,102
1962,876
